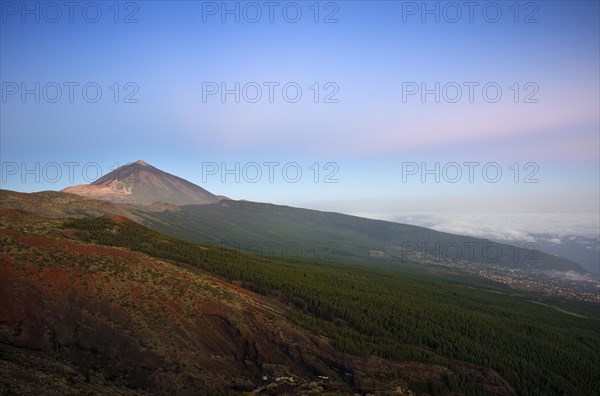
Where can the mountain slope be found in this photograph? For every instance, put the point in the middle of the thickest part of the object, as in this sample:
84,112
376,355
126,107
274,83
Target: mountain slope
141,183
291,232
122,309
286,231
53,204
80,317
265,228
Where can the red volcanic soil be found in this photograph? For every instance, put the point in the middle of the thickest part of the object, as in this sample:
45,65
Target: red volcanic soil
119,219
77,318
73,247
4,212
108,317
7,231
237,289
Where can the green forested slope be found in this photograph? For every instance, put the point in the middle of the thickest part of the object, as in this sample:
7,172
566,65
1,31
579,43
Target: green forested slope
402,315
265,227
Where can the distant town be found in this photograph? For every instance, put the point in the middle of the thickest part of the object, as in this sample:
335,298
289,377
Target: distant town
575,285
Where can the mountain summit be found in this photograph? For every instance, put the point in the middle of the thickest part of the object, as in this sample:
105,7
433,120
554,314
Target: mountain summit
142,183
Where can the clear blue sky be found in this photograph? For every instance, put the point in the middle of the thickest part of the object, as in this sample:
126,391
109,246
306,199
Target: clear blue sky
374,51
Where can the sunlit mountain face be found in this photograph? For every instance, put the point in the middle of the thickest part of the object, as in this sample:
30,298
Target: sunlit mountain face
141,183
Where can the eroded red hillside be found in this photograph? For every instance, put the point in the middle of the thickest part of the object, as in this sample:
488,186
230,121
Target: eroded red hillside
78,317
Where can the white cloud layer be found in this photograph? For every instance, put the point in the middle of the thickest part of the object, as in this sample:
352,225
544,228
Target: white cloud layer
504,226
